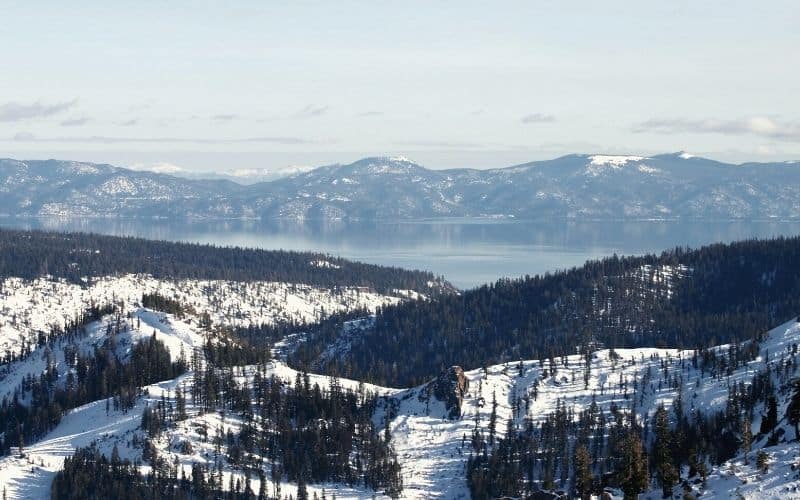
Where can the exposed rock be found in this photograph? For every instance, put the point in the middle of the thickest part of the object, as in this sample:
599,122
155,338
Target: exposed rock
450,387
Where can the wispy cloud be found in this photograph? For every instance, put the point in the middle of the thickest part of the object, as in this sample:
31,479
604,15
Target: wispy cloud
75,122
441,144
128,123
224,117
756,125
311,111
96,139
369,114
538,118
23,137
159,167
15,111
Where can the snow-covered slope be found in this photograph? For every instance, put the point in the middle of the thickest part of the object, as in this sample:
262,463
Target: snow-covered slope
29,477
432,448
29,307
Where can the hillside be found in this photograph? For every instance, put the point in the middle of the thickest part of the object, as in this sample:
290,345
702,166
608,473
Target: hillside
682,298
665,186
80,357
177,387
432,450
77,257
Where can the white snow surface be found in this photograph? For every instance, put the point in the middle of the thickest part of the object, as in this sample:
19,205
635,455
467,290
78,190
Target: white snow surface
428,445
615,160
30,476
600,164
29,307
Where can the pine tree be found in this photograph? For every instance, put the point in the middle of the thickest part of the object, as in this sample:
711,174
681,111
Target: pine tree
493,419
632,468
20,440
697,465
583,472
666,473
302,491
180,403
762,461
793,411
747,438
262,487
770,420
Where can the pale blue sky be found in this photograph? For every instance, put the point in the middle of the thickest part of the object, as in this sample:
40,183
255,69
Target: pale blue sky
268,84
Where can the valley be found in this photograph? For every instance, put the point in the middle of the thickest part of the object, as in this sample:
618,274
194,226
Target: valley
233,350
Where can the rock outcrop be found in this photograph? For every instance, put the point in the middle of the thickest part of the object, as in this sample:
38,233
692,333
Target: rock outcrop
450,387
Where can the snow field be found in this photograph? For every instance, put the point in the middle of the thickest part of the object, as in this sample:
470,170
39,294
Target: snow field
432,449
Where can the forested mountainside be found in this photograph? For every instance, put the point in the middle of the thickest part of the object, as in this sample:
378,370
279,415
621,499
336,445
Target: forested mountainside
574,186
682,298
116,382
713,423
115,352
164,387
75,256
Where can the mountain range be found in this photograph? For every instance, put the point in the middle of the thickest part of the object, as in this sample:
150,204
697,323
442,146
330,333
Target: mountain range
667,186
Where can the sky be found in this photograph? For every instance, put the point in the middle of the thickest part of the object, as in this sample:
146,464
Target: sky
213,86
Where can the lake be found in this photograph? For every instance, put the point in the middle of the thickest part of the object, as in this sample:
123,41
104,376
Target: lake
466,252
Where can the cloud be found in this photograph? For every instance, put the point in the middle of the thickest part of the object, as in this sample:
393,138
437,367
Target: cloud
311,111
75,122
224,117
441,144
23,136
264,172
277,140
756,125
538,118
159,167
368,114
128,123
15,112
96,139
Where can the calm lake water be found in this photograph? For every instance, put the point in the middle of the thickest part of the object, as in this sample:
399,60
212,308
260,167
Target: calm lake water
467,252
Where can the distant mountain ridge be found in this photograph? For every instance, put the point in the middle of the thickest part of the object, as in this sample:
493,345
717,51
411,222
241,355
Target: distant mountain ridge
666,186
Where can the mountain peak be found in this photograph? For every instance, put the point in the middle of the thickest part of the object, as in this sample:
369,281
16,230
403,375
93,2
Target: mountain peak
383,165
614,160
387,159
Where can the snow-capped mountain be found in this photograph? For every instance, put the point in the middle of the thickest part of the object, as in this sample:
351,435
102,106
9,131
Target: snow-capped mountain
244,176
576,186
66,188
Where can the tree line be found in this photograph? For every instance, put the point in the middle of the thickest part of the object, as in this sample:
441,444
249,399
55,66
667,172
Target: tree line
630,449
683,299
73,256
37,405
298,431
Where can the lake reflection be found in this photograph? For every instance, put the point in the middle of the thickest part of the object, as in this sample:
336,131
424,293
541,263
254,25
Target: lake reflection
467,252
